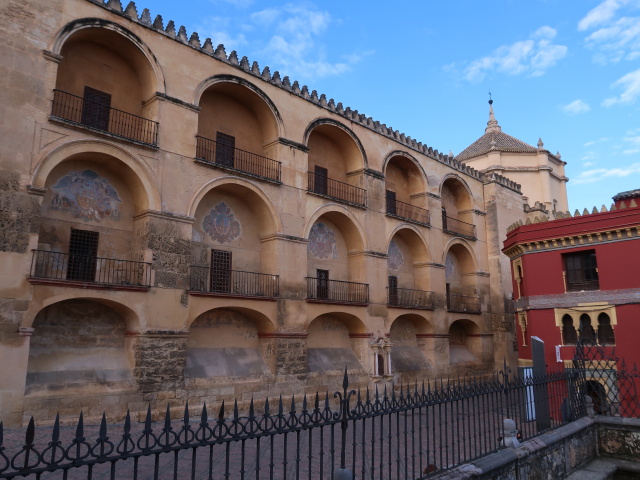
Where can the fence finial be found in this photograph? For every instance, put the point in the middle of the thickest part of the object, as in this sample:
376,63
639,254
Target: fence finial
509,434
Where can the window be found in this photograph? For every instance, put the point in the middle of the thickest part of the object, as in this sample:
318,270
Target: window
323,284
225,147
83,251
393,290
581,271
444,218
320,183
586,329
391,202
220,271
605,330
569,334
95,108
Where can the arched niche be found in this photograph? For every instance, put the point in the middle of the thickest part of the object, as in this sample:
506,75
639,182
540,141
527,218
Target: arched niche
405,182
411,351
334,342
408,258
464,343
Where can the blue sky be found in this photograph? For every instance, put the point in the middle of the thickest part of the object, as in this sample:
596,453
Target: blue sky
567,71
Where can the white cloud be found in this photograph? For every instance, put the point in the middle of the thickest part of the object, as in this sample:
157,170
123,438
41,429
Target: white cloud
576,107
235,3
598,174
533,57
588,164
588,144
600,14
630,84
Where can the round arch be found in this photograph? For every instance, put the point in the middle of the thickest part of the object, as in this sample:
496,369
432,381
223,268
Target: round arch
452,177
343,128
278,131
141,181
353,323
409,158
266,211
409,232
130,316
262,321
345,221
422,325
77,26
464,244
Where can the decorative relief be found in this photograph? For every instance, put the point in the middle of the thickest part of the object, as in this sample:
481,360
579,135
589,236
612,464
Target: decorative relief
221,224
395,260
87,196
322,242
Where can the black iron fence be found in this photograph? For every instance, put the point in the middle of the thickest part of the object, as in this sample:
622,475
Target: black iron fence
463,303
337,291
68,267
400,433
205,279
228,157
458,227
88,113
323,185
407,211
408,298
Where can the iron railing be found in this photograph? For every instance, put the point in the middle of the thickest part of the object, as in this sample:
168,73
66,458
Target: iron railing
463,303
410,432
337,291
458,227
408,298
87,113
344,192
586,285
231,158
68,267
407,211
205,279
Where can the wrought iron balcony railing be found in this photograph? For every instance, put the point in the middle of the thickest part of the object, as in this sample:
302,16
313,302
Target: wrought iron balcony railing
231,158
328,187
408,298
586,285
337,291
463,303
68,267
80,111
206,279
407,211
458,227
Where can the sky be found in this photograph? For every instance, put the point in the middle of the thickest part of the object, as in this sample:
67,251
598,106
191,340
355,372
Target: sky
565,71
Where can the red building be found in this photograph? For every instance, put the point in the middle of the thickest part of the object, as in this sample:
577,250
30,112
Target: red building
577,276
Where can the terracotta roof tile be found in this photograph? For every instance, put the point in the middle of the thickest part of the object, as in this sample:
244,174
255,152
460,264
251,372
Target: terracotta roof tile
503,143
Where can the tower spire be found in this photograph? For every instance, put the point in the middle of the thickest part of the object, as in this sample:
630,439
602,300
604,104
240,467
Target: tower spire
492,124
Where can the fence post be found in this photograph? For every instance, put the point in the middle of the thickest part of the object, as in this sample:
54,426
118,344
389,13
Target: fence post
509,434
343,473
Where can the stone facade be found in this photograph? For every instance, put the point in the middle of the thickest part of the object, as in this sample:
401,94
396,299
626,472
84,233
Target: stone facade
237,234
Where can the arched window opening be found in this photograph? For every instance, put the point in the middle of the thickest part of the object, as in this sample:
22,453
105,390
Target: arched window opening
586,329
569,334
605,330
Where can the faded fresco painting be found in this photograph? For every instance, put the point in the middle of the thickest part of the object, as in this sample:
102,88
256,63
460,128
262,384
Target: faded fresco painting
395,259
322,242
221,224
87,196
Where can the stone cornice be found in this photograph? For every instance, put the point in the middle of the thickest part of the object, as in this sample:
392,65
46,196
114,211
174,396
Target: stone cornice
282,236
165,216
51,56
578,299
175,101
573,241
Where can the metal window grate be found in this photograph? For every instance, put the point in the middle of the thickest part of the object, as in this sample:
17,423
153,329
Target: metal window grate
83,251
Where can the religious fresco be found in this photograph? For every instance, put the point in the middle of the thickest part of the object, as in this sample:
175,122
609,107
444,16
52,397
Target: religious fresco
395,259
87,196
221,224
322,242
451,268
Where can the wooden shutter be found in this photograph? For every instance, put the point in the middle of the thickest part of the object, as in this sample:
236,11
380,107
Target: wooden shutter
225,148
95,108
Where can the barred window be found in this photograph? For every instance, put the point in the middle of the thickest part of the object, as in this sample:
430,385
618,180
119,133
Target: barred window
581,271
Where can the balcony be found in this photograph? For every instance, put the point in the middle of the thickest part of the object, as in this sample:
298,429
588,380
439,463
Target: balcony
585,285
77,111
406,211
463,303
205,280
337,291
79,270
233,159
343,192
407,298
459,228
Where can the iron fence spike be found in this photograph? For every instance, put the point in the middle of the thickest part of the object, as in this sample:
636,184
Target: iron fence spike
221,412
280,408
266,407
102,435
377,393
167,418
251,415
79,428
127,423
186,413
317,401
304,403
55,435
235,409
204,418
326,400
293,405
345,381
147,420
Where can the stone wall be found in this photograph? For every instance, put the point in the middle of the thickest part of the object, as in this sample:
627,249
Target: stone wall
19,214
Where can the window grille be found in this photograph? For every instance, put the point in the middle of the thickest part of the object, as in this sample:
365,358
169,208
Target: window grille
83,251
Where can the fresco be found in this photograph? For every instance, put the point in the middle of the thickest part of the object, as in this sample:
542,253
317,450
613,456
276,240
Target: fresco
395,259
87,196
221,224
322,242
